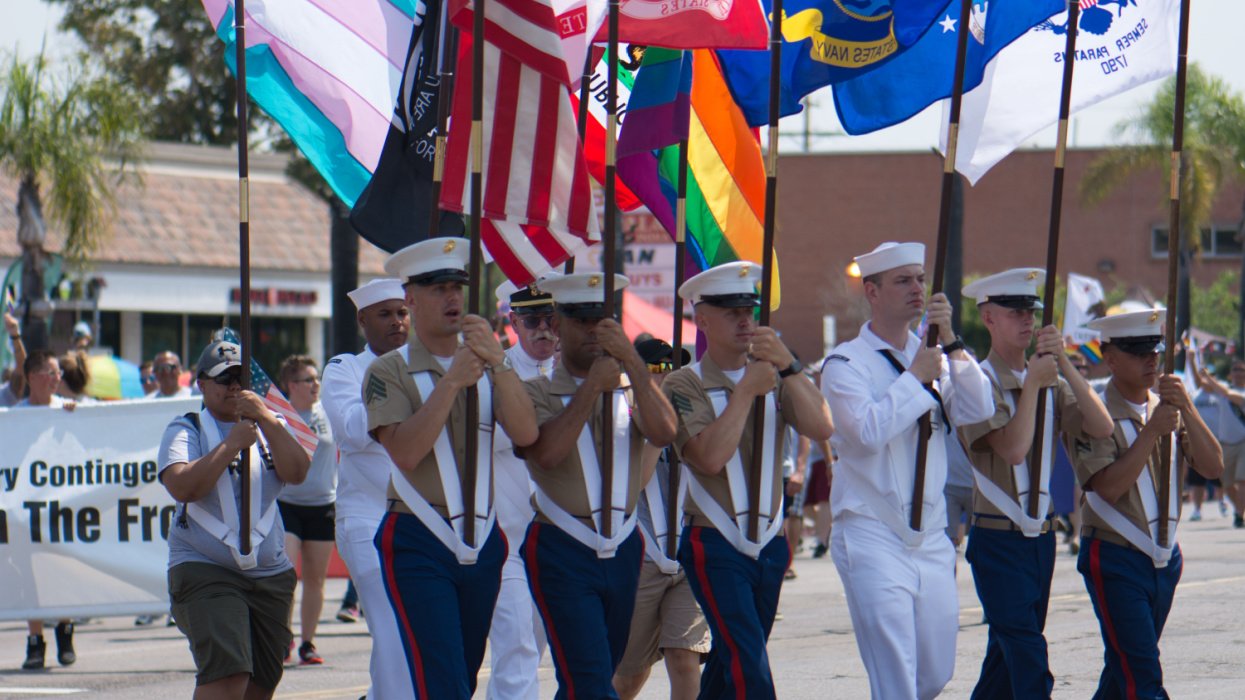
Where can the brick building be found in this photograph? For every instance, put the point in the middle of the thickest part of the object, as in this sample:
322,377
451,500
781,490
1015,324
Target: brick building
832,207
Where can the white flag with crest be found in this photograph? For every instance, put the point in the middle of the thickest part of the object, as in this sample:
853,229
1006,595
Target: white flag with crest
1121,44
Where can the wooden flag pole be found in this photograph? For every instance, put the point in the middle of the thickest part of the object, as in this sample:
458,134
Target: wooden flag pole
244,264
1052,249
607,266
447,57
1173,252
767,264
940,252
473,265
676,344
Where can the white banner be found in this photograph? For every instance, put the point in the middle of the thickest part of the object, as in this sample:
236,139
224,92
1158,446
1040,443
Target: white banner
1084,304
84,521
1120,45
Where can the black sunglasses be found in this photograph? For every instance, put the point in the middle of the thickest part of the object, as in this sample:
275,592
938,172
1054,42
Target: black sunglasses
534,321
228,379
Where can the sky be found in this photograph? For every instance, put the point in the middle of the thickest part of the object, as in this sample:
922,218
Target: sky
1215,31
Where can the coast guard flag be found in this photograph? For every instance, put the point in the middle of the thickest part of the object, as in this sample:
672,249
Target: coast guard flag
1121,44
925,72
824,42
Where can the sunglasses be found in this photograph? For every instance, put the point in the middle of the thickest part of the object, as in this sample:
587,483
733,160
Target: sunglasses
534,321
660,367
166,368
228,379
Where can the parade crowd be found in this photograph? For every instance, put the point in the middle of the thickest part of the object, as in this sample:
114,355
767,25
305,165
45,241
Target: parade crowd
622,505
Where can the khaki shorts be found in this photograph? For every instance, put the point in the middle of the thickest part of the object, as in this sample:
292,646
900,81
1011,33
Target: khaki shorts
1233,463
666,617
235,624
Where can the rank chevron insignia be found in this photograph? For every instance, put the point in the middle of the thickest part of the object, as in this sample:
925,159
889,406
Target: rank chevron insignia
375,391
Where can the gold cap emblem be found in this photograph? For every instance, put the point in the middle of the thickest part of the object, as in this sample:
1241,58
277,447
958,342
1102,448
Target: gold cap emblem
744,269
449,246
1032,275
1154,316
594,281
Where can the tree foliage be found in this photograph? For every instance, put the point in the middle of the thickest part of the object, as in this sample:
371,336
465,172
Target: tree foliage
1214,148
67,135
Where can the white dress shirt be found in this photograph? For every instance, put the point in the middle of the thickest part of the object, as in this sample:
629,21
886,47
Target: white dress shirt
363,465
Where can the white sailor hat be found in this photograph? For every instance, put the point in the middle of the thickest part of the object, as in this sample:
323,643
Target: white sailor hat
1136,332
731,285
430,262
1016,288
527,300
376,291
889,256
581,295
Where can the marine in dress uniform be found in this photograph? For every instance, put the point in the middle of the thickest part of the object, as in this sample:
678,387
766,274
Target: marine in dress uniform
667,623
582,578
441,583
517,638
1012,554
363,477
1130,572
900,582
736,577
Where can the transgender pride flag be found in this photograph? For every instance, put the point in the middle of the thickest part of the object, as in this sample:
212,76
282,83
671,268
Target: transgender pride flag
329,71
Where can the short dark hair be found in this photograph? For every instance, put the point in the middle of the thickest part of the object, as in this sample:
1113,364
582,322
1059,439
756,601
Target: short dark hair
289,366
875,278
76,374
36,359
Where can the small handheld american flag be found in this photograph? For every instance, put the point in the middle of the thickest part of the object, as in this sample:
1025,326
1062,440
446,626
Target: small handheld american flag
276,402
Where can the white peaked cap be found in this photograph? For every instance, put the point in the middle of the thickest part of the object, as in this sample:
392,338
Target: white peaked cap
1017,288
732,284
431,261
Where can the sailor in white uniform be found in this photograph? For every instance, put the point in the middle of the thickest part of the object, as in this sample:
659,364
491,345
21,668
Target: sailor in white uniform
363,474
899,581
517,636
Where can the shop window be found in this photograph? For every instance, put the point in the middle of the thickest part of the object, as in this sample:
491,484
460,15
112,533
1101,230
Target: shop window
162,333
1217,242
275,339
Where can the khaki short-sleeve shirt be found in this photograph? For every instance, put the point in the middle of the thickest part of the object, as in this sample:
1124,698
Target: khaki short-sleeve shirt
564,484
689,394
390,395
1092,455
1003,381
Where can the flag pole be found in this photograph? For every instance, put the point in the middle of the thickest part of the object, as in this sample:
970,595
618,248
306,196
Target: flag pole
1173,252
1052,246
940,252
473,269
676,341
767,261
607,264
447,56
244,263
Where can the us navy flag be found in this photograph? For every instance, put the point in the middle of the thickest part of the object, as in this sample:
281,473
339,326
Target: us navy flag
396,206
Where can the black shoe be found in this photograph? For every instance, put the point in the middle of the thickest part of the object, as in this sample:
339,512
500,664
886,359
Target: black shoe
35,650
64,644
820,550
1238,521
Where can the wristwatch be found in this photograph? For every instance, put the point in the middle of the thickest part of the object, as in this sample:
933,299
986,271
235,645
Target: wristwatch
957,344
794,368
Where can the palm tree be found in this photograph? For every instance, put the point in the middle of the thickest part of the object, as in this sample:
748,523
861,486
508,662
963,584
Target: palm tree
70,136
1214,152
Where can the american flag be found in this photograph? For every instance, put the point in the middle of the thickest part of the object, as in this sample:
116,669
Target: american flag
1086,4
536,190
276,402
550,36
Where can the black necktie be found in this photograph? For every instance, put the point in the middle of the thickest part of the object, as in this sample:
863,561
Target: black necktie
898,366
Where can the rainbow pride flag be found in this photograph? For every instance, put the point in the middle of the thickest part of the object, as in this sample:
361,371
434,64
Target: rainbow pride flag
726,172
1092,351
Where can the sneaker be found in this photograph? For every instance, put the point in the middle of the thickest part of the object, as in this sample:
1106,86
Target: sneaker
778,616
1238,522
307,655
36,648
820,550
1197,515
348,613
144,620
1223,509
64,644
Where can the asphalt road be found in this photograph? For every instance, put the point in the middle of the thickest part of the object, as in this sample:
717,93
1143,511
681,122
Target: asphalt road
812,650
